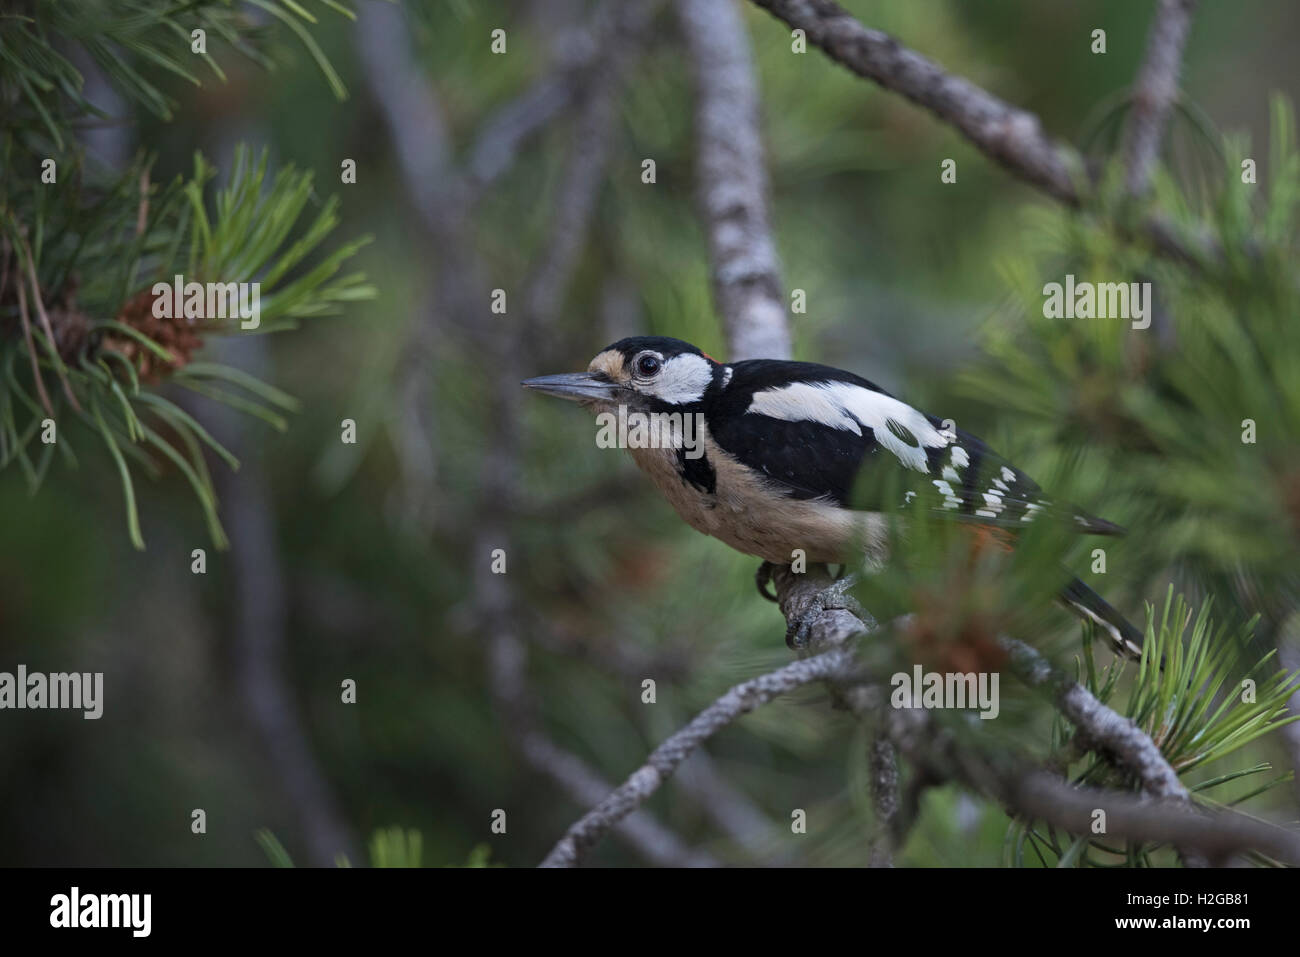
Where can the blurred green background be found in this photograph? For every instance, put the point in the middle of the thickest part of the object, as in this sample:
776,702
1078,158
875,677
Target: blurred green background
363,562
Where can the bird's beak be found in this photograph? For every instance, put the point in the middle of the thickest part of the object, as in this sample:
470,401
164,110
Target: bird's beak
575,386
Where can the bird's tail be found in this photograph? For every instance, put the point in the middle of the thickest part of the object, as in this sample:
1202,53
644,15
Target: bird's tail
1087,604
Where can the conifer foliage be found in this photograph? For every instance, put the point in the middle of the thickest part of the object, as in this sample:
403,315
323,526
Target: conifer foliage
86,334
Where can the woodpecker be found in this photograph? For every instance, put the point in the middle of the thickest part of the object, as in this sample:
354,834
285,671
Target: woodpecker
778,446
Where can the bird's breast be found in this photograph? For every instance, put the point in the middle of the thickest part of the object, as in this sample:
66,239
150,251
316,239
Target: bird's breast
717,495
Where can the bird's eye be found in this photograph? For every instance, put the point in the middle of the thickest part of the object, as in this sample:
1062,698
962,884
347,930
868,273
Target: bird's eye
648,365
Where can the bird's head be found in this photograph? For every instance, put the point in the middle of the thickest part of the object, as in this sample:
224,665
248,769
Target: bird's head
644,373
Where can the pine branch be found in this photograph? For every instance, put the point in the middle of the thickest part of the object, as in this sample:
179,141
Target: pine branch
1101,728
1012,137
732,181
106,337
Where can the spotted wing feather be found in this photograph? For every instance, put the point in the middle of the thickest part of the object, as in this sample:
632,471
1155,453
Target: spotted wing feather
820,432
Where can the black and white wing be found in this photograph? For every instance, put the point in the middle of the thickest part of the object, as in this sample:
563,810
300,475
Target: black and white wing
820,432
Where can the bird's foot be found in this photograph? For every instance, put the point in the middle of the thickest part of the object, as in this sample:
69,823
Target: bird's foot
798,632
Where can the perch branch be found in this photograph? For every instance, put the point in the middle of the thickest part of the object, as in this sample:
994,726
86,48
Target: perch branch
1098,726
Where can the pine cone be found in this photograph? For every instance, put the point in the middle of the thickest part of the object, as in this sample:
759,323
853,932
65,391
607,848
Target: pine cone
947,639
176,335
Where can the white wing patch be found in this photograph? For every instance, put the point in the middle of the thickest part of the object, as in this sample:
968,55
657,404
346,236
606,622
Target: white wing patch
958,459
993,501
843,405
950,499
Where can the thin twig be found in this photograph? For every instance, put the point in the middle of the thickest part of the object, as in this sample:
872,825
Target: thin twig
1201,834
584,173
1007,134
31,345
1010,135
730,809
410,110
507,130
588,55
1216,835
884,799
442,197
45,324
1102,728
664,760
1099,727
585,787
1155,91
507,664
259,623
418,133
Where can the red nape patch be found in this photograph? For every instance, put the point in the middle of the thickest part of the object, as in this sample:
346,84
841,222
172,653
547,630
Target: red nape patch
710,358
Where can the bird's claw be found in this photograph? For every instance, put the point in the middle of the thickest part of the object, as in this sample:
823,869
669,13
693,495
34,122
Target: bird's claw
798,633
763,578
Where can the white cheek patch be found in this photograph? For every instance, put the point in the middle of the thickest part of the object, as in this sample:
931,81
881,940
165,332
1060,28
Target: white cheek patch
842,405
682,380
